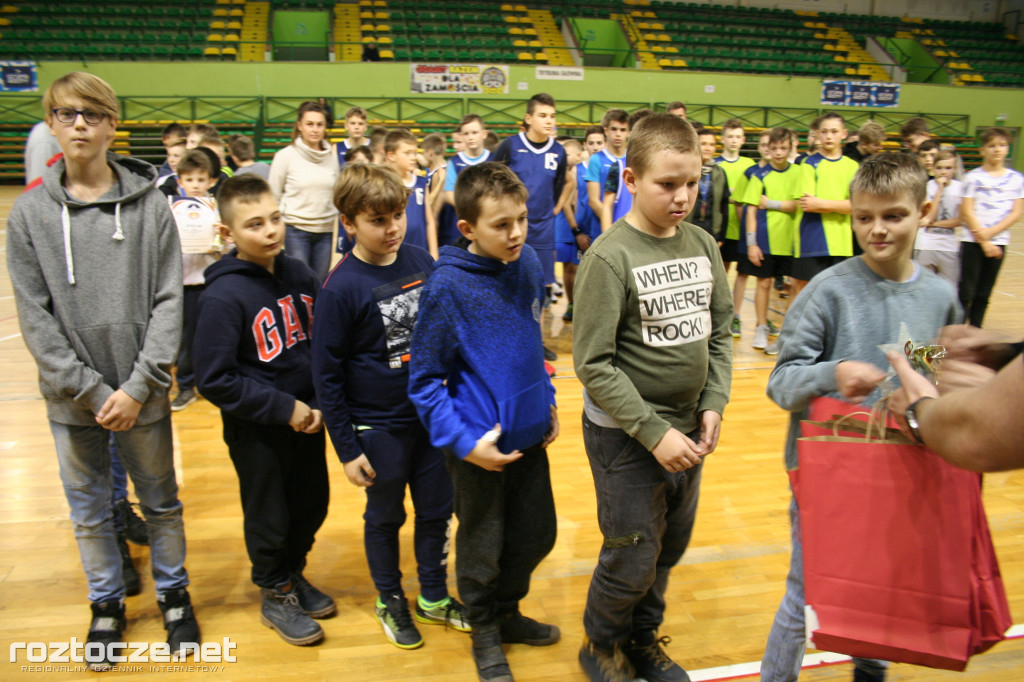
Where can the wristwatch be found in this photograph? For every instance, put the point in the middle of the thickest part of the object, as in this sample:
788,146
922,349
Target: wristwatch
576,232
911,418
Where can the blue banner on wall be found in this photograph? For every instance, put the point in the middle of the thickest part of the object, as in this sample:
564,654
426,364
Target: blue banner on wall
860,94
18,77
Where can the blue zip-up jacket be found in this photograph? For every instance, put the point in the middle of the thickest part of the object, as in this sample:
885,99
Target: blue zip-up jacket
476,353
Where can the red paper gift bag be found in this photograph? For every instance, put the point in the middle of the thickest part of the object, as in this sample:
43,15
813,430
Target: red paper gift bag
898,562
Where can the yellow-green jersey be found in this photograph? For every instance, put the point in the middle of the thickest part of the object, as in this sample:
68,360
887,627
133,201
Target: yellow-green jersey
776,230
826,234
734,175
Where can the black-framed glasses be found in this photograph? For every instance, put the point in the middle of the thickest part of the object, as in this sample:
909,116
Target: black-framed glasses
68,115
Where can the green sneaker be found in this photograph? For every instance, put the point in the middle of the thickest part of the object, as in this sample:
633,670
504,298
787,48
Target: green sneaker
447,612
772,329
735,328
568,313
397,623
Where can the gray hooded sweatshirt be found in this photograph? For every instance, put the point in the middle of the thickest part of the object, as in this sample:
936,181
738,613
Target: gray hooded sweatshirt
98,290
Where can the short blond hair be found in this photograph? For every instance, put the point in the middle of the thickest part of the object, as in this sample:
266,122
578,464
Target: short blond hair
871,133
91,89
891,174
659,132
369,187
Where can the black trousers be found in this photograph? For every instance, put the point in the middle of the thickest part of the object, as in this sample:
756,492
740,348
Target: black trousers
507,525
186,369
978,275
282,477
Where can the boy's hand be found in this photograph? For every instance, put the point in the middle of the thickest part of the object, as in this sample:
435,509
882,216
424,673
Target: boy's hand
991,250
359,472
855,380
675,452
552,433
302,416
316,424
119,412
710,428
755,255
583,241
486,454
942,183
810,203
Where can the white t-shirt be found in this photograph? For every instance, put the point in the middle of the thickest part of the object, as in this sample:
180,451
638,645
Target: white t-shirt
942,238
993,199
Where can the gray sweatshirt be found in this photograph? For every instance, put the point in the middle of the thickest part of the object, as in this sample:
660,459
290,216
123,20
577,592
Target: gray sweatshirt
850,313
98,290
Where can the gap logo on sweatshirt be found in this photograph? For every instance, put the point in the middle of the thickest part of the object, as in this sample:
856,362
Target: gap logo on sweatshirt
675,300
271,337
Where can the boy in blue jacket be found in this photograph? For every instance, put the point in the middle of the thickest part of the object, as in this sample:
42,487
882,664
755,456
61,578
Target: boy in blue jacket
253,360
482,306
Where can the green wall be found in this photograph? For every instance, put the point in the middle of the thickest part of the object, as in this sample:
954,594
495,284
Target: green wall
602,85
603,42
301,35
920,65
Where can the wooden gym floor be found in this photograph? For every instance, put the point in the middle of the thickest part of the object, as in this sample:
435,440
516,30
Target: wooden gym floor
722,596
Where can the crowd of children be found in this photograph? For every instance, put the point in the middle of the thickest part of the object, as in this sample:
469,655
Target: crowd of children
444,274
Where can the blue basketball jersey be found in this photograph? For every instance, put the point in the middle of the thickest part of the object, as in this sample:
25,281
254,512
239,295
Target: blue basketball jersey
447,221
538,168
342,148
416,213
586,219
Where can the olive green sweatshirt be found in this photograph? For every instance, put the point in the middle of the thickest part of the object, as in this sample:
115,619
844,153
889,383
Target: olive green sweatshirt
651,339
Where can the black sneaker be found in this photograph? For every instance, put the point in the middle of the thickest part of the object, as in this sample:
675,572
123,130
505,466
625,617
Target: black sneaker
567,317
183,399
605,665
107,626
134,527
282,612
549,354
128,572
862,675
518,629
179,621
315,603
645,652
491,664
397,622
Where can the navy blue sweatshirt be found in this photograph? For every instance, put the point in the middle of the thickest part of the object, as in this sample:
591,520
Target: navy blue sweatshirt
252,353
364,320
479,331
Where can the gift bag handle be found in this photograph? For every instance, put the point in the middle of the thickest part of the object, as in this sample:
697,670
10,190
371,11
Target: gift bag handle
876,419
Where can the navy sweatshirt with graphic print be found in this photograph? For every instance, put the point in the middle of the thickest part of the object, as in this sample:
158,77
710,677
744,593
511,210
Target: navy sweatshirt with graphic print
252,352
364,323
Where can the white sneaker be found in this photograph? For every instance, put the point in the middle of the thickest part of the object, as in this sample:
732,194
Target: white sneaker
760,337
772,349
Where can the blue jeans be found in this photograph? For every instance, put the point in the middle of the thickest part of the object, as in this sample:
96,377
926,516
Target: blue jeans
787,640
83,453
646,516
312,248
405,457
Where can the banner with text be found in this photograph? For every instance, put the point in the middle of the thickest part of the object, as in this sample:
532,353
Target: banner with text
18,77
466,79
860,94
